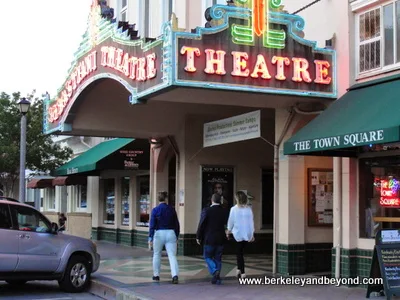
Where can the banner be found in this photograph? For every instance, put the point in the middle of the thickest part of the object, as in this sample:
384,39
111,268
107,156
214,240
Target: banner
234,129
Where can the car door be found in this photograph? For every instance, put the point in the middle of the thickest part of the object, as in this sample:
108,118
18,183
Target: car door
39,248
9,241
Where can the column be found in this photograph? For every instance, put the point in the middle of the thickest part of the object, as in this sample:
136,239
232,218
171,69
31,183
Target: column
349,218
94,207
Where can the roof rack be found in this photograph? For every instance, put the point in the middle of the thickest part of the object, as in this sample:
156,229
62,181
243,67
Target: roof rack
8,199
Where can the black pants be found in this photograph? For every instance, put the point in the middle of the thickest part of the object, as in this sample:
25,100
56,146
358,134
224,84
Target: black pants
239,255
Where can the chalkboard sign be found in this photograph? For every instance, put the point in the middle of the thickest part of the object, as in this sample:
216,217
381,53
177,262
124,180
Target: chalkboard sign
386,263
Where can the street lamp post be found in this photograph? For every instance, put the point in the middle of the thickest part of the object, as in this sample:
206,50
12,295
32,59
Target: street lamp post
23,109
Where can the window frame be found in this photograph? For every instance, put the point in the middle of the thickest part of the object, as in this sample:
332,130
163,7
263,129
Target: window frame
382,68
124,10
14,218
79,199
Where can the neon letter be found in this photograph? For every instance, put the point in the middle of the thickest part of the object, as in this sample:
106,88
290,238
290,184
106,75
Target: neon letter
190,52
151,66
133,67
322,71
111,57
239,64
104,52
300,73
280,68
118,59
141,69
211,61
261,67
125,64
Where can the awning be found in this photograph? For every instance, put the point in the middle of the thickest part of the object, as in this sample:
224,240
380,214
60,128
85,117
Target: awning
368,114
40,183
70,180
115,154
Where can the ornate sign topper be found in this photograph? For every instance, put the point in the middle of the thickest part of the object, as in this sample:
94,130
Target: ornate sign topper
255,46
252,45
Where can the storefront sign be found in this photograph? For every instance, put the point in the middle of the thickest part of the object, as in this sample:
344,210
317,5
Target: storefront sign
268,55
217,179
378,136
107,53
238,128
389,193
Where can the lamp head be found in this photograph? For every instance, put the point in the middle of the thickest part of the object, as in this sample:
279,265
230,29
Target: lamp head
24,105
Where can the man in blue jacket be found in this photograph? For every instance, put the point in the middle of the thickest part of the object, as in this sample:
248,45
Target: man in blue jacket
211,233
164,231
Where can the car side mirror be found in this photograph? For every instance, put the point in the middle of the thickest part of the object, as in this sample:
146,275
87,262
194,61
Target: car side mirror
54,228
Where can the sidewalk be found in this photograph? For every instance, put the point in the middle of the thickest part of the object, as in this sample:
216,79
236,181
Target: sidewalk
125,273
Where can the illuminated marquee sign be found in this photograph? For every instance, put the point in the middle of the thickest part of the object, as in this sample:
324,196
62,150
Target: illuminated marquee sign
259,48
389,193
133,62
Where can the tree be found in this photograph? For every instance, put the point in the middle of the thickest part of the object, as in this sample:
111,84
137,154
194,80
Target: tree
42,154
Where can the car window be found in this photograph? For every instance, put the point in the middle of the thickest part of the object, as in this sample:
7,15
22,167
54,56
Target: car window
30,220
5,218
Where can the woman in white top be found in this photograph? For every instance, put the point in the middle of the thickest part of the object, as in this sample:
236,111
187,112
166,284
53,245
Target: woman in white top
241,225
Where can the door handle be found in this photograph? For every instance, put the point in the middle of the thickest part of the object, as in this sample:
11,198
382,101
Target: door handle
21,236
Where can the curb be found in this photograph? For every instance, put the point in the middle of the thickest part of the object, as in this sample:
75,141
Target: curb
108,292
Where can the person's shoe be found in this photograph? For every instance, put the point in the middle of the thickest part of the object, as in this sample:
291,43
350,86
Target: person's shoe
175,280
215,277
156,278
238,273
243,275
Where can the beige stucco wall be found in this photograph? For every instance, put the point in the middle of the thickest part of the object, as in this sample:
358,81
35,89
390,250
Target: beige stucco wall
79,224
247,158
52,216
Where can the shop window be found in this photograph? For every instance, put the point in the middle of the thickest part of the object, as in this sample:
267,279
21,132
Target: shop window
143,201
82,196
51,198
379,38
109,194
379,192
125,201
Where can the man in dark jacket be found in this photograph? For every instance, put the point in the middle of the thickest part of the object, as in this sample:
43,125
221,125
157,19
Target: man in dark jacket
211,233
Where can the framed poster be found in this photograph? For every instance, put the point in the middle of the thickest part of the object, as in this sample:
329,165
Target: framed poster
217,179
320,197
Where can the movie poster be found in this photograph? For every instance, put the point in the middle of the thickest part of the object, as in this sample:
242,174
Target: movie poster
217,180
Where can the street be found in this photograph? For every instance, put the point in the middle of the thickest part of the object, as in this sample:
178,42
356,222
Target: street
39,290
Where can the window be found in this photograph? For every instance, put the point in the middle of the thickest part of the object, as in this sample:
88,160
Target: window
82,196
379,192
30,220
124,11
109,193
379,37
5,219
144,201
125,201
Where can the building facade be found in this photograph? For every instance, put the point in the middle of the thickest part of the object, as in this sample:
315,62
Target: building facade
177,75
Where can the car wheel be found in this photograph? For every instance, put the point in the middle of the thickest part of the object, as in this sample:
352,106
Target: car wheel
77,275
16,282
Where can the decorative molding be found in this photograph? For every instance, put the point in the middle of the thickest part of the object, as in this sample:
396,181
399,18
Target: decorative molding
360,4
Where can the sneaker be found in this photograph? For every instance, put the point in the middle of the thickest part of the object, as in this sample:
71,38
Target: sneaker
156,278
215,277
243,275
175,280
238,273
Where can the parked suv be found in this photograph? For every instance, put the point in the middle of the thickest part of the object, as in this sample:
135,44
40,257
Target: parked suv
32,249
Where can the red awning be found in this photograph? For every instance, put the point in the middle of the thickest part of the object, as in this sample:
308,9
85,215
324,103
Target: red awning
40,183
70,180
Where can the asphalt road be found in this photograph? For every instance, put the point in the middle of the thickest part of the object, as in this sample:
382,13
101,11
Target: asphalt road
39,290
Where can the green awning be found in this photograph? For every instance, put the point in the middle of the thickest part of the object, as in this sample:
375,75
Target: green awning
369,113
88,161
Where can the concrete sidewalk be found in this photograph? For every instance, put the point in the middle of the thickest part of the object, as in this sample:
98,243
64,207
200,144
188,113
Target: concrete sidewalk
125,273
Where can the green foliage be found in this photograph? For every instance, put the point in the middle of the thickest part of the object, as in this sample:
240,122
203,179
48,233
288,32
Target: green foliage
42,154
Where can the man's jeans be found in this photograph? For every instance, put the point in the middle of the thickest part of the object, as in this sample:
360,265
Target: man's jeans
168,238
213,258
